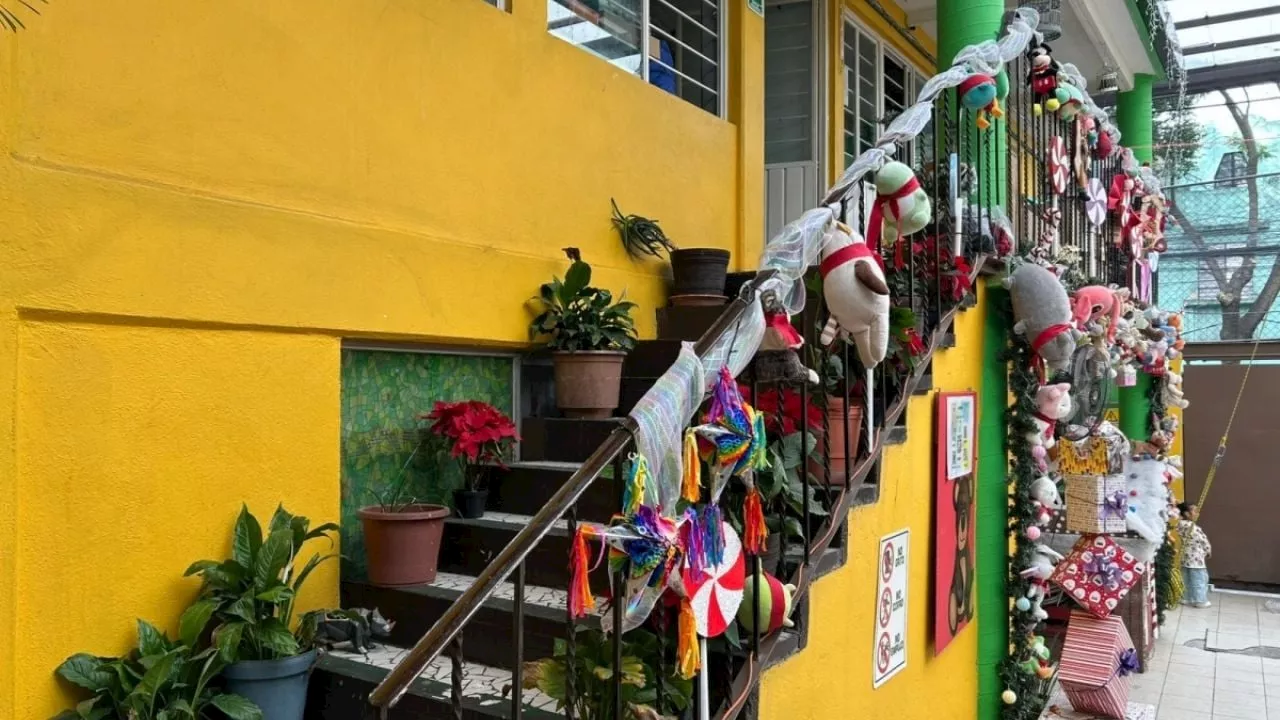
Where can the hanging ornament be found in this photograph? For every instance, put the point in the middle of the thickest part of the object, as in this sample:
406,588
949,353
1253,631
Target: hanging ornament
1033,533
1095,204
1058,164
1008,697
715,593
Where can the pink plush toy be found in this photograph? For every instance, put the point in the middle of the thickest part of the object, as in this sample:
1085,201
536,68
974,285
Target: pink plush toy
1092,302
1053,403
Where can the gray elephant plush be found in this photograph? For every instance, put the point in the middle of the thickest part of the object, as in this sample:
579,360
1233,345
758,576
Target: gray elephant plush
1042,313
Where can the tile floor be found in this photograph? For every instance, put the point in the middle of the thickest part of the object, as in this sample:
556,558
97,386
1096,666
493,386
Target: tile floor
1235,678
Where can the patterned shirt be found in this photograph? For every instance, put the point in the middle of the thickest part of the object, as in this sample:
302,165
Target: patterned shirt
1195,544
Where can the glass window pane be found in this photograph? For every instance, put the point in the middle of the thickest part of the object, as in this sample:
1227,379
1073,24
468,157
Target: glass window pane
609,29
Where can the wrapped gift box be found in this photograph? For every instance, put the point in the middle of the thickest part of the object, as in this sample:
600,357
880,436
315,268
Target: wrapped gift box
1139,616
1097,574
1096,503
1064,542
1096,663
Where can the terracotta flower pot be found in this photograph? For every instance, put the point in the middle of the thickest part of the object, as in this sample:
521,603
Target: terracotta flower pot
403,547
841,460
588,383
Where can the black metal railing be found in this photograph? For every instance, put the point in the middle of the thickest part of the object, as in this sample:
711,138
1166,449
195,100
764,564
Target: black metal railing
928,279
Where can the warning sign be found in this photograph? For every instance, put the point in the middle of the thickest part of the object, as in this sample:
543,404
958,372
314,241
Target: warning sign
891,607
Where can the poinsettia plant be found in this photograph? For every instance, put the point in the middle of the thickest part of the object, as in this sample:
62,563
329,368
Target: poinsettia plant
478,435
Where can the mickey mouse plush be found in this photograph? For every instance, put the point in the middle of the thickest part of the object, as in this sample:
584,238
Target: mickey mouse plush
1043,75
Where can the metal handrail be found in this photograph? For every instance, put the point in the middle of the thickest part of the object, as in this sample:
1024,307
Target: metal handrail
446,629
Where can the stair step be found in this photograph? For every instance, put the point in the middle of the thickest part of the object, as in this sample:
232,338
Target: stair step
490,635
686,322
650,358
562,439
896,435
468,546
343,680
734,282
948,340
523,489
925,385
633,388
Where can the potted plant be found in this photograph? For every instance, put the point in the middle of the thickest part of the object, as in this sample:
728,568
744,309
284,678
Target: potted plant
478,435
592,671
589,335
698,274
249,601
401,535
160,679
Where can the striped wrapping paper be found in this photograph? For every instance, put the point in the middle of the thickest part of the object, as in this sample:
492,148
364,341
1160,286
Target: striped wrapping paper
1087,671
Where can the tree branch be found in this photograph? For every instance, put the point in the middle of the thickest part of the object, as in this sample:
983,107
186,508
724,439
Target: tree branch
1197,239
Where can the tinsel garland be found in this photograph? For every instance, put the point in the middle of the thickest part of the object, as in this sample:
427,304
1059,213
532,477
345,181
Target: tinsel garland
1029,692
1166,556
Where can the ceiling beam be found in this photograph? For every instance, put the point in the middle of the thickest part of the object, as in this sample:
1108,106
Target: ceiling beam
1229,44
1227,17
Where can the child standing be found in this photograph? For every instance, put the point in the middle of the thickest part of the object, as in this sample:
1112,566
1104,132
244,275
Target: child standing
1195,549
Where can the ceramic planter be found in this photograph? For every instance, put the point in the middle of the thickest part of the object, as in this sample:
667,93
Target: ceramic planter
699,272
403,547
840,458
470,504
278,687
588,383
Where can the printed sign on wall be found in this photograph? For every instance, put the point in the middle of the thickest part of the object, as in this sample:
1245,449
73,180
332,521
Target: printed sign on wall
890,645
757,6
954,513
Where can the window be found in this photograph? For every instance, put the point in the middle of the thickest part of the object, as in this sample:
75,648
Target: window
682,50
1232,168
879,86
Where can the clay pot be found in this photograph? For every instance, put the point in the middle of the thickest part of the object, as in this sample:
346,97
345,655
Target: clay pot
698,300
841,461
699,271
588,383
470,504
403,546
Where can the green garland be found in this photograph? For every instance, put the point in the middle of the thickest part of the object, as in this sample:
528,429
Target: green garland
1030,693
1166,555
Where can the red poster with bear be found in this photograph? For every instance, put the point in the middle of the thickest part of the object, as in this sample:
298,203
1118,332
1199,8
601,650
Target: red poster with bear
954,510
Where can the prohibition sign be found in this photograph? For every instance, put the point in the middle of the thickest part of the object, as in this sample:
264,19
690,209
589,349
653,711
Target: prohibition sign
886,607
888,562
882,657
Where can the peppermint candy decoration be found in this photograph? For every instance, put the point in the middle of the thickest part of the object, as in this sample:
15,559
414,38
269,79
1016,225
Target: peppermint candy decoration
1095,204
716,593
1058,164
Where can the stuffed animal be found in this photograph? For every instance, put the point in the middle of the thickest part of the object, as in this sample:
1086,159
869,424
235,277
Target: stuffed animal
1042,562
1148,513
902,207
1071,99
777,360
775,604
1095,301
1105,146
978,94
1043,76
1053,404
856,294
1172,392
1043,314
1044,491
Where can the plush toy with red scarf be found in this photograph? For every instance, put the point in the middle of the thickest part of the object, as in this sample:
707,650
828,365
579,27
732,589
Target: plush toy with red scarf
902,207
854,287
1042,313
978,93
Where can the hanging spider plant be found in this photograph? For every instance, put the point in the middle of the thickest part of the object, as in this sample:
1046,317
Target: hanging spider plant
640,235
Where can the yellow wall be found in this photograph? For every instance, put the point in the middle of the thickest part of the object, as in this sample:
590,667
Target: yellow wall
831,678
200,200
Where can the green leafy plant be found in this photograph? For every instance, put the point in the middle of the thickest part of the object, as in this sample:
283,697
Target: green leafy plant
577,317
640,235
160,680
250,596
593,677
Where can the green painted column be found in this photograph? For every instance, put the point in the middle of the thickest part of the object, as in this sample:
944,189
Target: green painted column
962,23
1135,409
1133,117
991,544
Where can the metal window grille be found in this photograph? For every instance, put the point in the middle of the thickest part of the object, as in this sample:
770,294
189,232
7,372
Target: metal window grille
676,45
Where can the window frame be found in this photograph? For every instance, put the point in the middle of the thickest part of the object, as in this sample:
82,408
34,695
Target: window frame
647,34
914,79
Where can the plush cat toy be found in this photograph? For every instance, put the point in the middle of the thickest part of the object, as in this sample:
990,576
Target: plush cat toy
902,207
1148,513
777,360
1053,404
1044,491
1042,563
856,294
1043,314
1095,301
1172,392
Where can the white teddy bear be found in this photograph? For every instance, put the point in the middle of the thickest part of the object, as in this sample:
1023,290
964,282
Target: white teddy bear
1045,492
1053,404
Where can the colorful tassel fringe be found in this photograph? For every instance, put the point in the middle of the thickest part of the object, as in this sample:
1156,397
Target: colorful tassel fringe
703,539
687,650
581,600
637,479
691,481
754,530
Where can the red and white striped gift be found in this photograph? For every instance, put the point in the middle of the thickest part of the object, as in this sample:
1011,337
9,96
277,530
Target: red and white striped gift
1089,671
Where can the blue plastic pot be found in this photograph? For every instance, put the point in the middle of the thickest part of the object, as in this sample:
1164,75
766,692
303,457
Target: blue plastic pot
279,687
